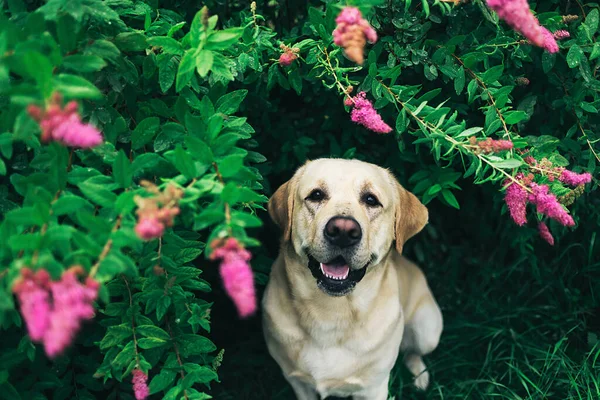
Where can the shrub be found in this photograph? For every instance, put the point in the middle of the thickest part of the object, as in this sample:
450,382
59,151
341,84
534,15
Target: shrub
133,141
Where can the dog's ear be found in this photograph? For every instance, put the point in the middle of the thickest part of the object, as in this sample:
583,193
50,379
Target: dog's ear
280,207
411,217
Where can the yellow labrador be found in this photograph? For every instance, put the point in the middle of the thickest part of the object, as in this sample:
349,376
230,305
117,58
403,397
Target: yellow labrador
342,301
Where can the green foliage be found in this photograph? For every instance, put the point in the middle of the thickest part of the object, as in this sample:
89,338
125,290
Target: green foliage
194,98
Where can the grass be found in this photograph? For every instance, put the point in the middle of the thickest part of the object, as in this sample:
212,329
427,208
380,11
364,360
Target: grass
522,319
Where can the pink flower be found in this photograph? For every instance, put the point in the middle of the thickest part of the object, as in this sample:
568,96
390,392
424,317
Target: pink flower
286,59
149,228
364,114
490,145
237,275
140,384
352,33
33,296
518,15
54,310
73,304
64,124
545,233
516,201
574,179
561,34
548,204
549,42
72,132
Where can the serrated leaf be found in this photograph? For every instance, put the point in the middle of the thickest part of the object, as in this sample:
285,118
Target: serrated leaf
83,63
162,381
150,343
168,44
574,56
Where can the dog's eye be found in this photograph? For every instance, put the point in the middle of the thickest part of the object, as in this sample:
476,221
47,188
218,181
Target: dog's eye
316,195
370,200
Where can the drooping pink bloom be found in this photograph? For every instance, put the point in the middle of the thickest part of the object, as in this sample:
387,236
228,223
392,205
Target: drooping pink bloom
516,201
64,125
75,133
545,233
32,292
549,41
561,34
574,179
72,304
140,384
547,204
518,15
236,274
352,33
149,228
364,114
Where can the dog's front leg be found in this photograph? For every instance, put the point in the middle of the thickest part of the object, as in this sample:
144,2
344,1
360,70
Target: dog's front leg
302,390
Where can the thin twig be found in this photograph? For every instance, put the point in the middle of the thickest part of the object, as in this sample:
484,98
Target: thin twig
106,249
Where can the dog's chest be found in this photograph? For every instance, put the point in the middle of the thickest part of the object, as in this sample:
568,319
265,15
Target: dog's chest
343,360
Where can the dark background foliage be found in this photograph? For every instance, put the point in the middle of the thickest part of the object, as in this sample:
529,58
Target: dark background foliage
522,318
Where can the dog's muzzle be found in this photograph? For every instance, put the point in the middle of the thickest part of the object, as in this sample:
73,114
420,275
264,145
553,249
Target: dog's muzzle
335,277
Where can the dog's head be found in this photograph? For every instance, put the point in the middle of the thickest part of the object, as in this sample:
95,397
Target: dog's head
342,216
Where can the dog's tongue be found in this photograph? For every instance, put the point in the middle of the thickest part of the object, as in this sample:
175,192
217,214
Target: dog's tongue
335,271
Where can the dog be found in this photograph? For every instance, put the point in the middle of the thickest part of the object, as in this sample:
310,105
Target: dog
341,301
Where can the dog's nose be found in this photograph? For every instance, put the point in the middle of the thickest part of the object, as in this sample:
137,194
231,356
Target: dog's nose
343,231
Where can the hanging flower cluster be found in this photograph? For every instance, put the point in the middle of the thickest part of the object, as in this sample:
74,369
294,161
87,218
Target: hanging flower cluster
363,113
518,15
236,274
157,212
55,310
352,33
64,125
140,384
523,190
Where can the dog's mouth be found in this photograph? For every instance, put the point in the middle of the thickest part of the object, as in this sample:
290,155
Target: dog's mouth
335,277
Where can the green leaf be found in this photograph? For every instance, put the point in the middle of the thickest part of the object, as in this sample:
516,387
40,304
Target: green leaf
98,194
162,381
185,70
2,168
168,44
150,343
200,150
591,21
229,103
184,163
68,204
221,40
122,170
82,63
459,81
231,165
152,331
167,70
131,41
204,62
201,375
574,56
76,87
450,198
508,164
162,306
514,117
144,132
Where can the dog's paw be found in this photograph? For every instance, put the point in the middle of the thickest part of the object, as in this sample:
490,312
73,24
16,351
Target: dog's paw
422,380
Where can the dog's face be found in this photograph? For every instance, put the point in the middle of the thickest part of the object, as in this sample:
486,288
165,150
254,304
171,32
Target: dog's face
342,216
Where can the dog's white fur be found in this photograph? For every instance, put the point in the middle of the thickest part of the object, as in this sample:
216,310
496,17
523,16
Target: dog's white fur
346,346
